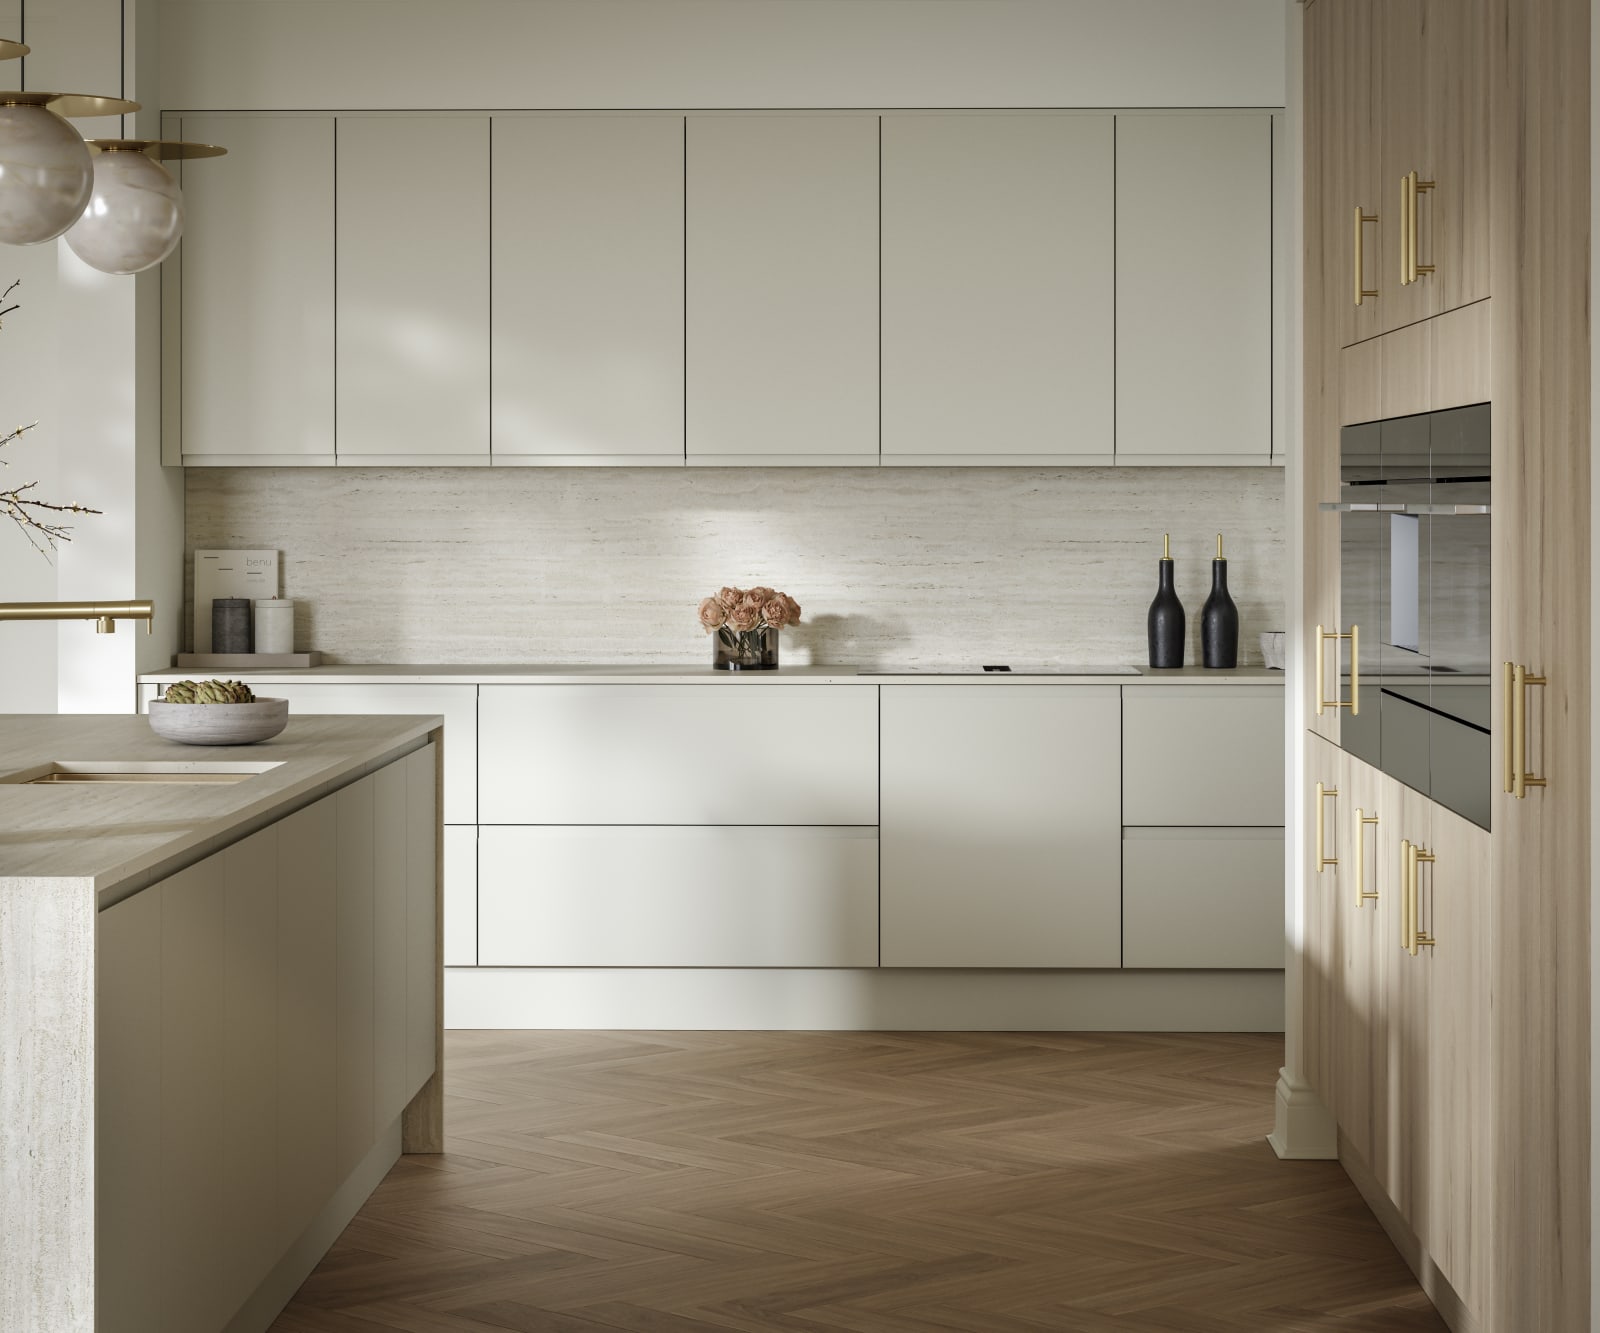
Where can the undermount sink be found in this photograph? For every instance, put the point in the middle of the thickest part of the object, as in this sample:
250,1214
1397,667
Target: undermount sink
134,772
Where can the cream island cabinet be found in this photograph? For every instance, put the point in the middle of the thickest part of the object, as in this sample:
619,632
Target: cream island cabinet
672,847
220,1012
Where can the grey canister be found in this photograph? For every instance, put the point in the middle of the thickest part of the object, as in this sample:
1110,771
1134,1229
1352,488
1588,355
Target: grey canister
274,625
230,625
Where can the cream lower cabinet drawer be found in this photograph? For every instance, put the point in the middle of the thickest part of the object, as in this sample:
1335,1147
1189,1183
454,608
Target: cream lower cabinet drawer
1202,754
677,897
728,752
1201,897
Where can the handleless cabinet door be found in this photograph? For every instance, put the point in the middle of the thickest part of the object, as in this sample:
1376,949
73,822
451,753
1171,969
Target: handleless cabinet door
413,289
680,897
251,959
1194,287
588,289
782,289
308,997
357,1018
127,1106
1199,755
997,287
194,1042
1001,831
254,280
677,754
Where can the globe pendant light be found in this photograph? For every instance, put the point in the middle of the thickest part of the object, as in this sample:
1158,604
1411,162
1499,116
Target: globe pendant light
135,212
46,173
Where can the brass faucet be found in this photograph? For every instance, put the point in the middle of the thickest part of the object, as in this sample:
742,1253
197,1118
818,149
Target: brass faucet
104,614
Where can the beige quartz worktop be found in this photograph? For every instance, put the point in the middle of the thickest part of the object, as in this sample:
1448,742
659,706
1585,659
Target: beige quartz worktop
121,837
702,674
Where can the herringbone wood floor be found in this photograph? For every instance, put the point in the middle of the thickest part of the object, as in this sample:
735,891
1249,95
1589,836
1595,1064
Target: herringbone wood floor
975,1183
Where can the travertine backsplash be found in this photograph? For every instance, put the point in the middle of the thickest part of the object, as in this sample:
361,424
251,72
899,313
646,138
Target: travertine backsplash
913,567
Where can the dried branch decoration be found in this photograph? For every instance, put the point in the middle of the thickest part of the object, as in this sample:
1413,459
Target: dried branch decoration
30,514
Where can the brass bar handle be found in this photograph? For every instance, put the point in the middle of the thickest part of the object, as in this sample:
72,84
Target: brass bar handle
1415,187
1360,291
1407,867
1355,669
1508,746
1419,940
1363,821
1407,227
1354,702
1521,683
1323,859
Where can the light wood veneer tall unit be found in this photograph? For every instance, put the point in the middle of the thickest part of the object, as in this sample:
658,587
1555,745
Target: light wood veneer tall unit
1458,1075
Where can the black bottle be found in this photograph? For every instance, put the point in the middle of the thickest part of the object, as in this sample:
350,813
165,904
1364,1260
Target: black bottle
1219,621
1168,626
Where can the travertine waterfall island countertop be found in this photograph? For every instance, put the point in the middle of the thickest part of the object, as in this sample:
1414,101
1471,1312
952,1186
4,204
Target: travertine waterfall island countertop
119,837
218,1002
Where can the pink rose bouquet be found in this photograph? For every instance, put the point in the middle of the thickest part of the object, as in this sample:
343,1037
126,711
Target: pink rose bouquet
746,624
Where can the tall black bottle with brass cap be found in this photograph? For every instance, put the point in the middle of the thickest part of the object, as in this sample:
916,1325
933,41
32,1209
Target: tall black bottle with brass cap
1167,623
1219,619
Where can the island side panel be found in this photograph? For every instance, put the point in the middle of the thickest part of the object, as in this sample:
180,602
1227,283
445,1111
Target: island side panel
47,971
422,1124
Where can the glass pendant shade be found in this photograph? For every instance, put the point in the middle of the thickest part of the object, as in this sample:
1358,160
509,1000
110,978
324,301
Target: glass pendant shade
45,175
134,216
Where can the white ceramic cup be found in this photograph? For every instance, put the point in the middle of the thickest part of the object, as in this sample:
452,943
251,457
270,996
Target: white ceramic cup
275,625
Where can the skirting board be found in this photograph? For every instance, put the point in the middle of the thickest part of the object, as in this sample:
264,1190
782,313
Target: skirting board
872,999
268,1300
1452,1309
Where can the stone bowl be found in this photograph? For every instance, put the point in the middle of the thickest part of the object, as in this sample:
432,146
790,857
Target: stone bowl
219,724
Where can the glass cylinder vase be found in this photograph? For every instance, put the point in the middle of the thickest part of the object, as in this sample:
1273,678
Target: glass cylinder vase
752,650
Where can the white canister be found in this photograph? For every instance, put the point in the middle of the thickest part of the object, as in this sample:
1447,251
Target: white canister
275,625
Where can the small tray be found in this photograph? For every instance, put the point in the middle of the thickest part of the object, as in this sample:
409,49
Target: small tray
246,661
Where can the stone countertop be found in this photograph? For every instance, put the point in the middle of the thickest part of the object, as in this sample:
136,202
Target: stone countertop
687,674
117,838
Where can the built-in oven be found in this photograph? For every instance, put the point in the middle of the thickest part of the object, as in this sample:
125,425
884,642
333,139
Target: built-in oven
1414,518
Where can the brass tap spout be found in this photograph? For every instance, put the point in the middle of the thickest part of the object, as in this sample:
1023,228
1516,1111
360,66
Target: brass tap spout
104,614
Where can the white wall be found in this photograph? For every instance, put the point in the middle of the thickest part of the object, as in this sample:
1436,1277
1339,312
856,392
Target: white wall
272,54
98,377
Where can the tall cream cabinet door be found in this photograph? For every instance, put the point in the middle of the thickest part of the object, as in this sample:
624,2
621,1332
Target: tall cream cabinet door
782,289
249,363
998,293
1001,833
1194,288
412,348
588,289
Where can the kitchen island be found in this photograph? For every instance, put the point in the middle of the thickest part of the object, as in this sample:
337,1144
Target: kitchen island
219,1009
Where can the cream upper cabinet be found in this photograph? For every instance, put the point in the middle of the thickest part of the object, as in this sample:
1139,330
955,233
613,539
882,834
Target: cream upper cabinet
782,289
1194,288
587,256
998,299
412,348
249,356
